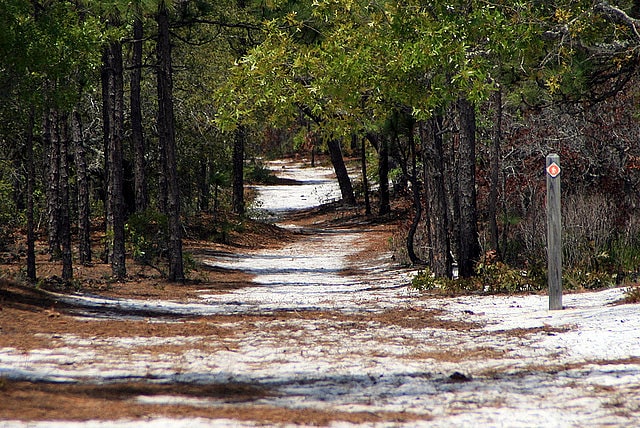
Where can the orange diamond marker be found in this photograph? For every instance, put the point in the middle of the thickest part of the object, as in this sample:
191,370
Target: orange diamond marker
553,170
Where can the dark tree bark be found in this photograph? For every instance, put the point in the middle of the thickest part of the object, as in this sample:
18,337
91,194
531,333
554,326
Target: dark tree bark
204,193
495,174
82,183
337,160
440,259
635,10
137,135
383,175
105,76
468,245
166,128
237,198
31,181
346,188
64,209
365,181
382,146
114,153
416,189
51,139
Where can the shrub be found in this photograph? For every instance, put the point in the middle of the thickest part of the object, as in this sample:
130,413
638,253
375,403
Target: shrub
147,235
632,294
426,281
580,279
497,277
8,217
492,278
257,172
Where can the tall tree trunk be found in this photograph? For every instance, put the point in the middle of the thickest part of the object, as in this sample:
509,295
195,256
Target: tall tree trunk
417,203
31,181
468,246
115,187
495,174
383,175
437,214
365,181
346,189
237,198
53,189
64,210
166,128
137,135
203,180
105,76
82,183
239,144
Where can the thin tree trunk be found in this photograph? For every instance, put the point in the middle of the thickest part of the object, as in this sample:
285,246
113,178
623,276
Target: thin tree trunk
365,181
137,135
64,209
495,175
53,189
82,183
469,247
105,75
417,203
346,188
204,193
166,127
115,188
237,199
239,144
440,259
383,176
31,179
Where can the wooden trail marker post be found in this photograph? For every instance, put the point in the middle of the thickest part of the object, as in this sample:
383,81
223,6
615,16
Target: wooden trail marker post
554,232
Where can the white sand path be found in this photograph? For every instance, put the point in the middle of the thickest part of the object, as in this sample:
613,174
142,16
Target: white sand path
572,368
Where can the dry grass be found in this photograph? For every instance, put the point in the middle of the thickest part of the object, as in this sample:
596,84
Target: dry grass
526,332
459,355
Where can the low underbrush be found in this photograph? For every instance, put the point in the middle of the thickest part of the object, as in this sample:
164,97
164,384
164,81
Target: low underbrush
632,294
600,249
499,278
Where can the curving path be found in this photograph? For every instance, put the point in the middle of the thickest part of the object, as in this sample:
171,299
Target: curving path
361,349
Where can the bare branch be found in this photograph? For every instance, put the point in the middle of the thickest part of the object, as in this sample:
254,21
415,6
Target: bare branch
619,16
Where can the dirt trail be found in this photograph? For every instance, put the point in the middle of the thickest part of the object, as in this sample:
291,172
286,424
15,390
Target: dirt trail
327,333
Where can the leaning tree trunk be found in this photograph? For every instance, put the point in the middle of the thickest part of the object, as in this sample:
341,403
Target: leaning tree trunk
237,197
82,184
65,220
440,260
166,128
346,189
31,184
468,245
137,135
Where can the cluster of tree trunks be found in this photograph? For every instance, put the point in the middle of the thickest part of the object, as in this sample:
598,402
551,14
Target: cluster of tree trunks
444,198
63,136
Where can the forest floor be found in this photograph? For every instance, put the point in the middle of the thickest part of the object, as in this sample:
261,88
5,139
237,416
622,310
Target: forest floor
308,323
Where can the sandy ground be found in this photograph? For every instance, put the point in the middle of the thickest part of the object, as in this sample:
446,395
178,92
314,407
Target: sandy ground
327,333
